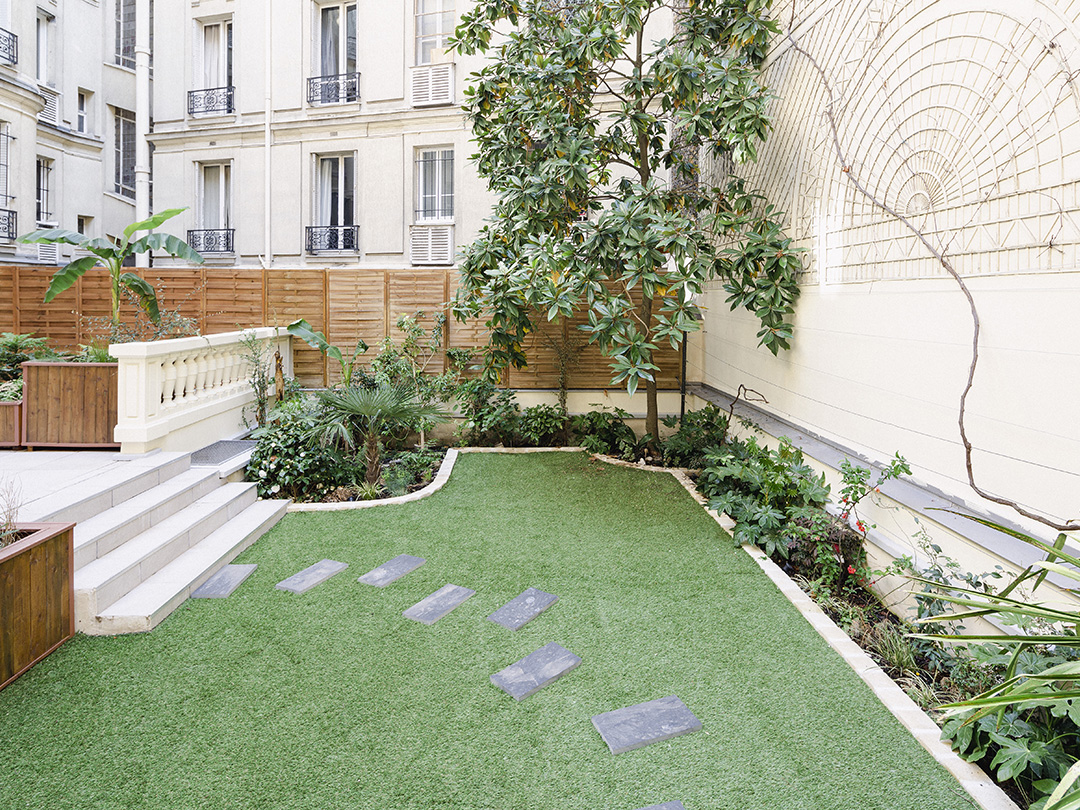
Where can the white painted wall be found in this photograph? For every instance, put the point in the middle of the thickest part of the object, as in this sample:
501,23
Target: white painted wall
962,117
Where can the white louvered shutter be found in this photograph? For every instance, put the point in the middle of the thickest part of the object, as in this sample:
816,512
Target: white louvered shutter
433,84
433,244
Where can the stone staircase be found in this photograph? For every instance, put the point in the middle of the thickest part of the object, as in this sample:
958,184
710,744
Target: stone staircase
148,533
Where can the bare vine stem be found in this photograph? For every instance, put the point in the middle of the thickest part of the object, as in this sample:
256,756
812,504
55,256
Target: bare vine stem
846,168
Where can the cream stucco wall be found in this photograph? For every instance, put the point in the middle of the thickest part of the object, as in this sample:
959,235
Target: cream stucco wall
963,118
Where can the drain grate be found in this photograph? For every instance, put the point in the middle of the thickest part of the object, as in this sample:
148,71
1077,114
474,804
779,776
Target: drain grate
219,452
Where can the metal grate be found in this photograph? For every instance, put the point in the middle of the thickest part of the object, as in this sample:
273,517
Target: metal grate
9,224
211,240
9,47
219,452
332,237
211,100
334,89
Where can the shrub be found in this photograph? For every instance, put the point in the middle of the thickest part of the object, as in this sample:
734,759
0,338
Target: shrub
287,464
542,425
763,490
491,414
17,349
606,432
698,432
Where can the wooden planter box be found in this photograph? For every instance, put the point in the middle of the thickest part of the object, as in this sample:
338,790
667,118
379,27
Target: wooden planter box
11,424
69,404
37,596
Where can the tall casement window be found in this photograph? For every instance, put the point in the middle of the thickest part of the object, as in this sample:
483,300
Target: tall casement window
217,54
82,112
334,206
44,187
5,164
45,23
434,25
125,33
337,39
124,152
434,185
215,198
335,191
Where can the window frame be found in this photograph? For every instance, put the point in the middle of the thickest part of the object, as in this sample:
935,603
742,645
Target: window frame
340,208
442,213
124,33
440,37
225,58
43,185
342,67
123,152
224,196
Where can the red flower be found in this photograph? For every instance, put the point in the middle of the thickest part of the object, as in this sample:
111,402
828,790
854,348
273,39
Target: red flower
843,515
861,526
851,569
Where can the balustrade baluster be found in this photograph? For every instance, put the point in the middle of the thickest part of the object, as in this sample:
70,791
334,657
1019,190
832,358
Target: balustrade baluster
168,382
200,374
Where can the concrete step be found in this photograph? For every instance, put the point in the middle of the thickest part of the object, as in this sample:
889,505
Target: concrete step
90,495
108,578
150,602
105,532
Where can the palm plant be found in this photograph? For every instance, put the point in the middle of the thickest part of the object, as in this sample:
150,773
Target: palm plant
353,416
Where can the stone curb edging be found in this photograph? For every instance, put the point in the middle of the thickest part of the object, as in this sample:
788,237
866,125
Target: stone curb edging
983,790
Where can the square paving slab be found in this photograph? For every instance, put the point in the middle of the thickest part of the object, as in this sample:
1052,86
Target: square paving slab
394,569
523,608
665,806
311,576
432,608
224,582
535,671
645,723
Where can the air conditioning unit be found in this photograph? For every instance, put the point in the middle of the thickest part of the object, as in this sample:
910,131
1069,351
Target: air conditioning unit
433,84
432,244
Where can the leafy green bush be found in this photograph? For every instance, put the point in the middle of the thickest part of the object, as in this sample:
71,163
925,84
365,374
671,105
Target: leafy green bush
17,349
606,432
11,390
764,491
414,467
542,425
286,463
698,432
491,416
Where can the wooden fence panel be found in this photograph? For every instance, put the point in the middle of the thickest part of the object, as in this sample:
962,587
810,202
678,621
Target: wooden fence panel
69,404
290,296
37,607
419,291
358,310
234,300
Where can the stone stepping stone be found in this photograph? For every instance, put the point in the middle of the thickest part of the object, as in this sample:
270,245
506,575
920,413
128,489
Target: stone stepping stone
432,608
645,723
523,608
535,671
224,582
394,569
665,806
311,576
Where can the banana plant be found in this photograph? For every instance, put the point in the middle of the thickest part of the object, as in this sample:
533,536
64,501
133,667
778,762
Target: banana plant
317,340
111,253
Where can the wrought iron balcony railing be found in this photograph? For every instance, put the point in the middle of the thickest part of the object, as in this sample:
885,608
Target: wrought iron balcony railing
333,89
9,47
332,237
211,100
9,224
211,240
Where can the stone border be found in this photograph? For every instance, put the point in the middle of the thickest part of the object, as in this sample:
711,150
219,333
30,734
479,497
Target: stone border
982,789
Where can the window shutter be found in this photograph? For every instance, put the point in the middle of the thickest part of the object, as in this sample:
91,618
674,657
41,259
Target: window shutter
432,244
51,113
433,84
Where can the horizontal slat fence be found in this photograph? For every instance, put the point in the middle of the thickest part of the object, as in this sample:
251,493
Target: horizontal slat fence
345,304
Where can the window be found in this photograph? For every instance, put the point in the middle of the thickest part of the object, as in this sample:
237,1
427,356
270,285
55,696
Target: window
335,191
81,121
434,25
5,163
434,185
215,197
44,42
217,55
84,225
125,33
124,152
337,39
44,201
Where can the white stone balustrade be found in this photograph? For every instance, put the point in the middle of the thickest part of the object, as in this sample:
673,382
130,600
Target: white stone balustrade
187,393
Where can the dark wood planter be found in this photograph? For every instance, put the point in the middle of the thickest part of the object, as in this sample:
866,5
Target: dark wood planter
11,424
37,596
69,404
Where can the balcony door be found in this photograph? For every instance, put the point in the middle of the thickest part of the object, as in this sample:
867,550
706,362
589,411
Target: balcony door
217,67
216,203
337,39
336,191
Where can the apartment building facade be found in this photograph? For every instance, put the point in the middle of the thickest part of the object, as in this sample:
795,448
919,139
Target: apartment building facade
308,133
68,133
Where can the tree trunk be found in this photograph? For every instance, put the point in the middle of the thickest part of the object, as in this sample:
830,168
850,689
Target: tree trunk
652,412
371,455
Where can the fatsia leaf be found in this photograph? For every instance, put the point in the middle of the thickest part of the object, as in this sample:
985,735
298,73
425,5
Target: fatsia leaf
145,292
68,275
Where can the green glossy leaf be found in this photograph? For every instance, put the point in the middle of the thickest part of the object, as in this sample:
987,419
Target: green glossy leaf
153,222
173,245
68,275
146,294
52,236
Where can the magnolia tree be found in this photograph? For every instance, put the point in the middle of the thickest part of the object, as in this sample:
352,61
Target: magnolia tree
588,130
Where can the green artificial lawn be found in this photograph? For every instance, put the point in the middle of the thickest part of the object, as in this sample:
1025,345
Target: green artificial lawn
332,699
